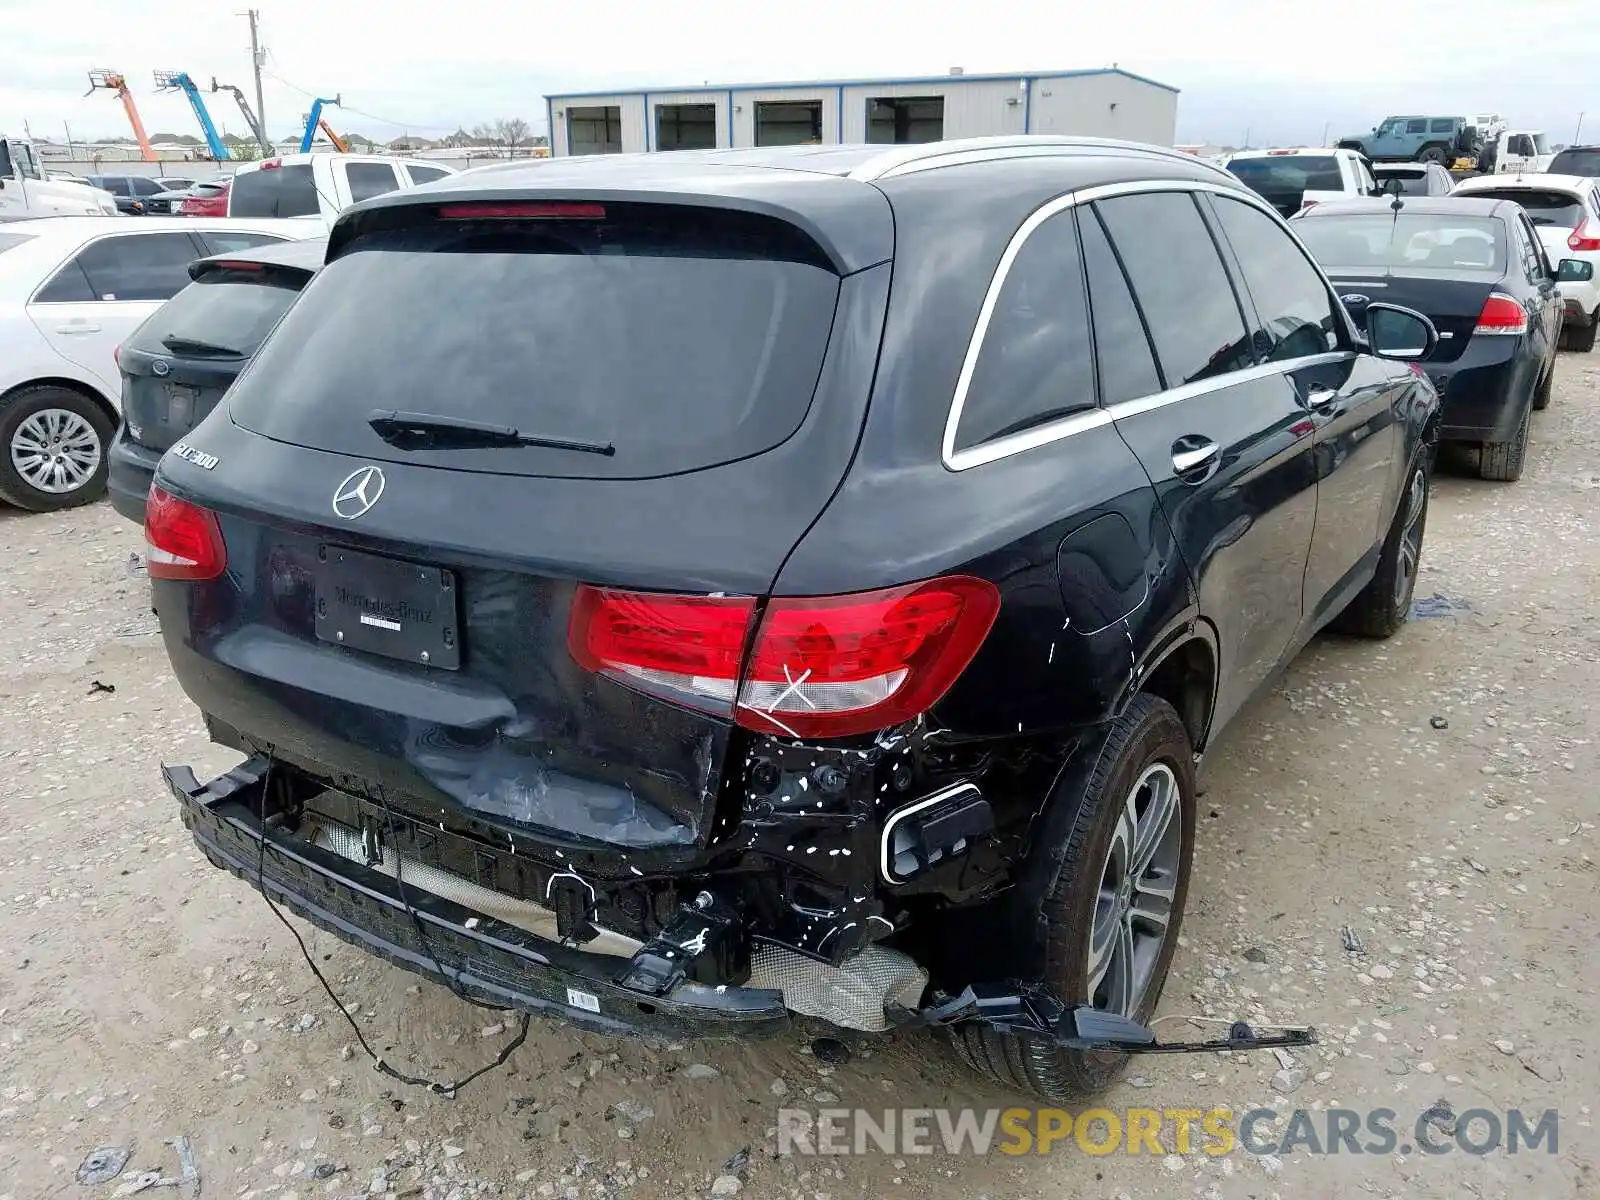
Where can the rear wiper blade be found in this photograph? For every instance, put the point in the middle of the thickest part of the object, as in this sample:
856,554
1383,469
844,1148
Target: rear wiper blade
415,430
181,345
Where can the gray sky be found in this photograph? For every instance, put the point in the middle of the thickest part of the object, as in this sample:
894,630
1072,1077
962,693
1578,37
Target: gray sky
1282,71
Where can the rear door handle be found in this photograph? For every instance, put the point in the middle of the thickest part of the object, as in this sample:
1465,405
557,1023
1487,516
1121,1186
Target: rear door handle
78,327
1193,454
1320,398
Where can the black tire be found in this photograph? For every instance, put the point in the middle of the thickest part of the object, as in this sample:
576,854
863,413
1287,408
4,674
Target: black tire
1580,338
1503,461
1384,605
17,407
1432,154
1068,869
1542,393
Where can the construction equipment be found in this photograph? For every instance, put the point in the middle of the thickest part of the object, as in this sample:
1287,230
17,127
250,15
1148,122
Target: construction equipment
166,81
114,82
315,121
249,113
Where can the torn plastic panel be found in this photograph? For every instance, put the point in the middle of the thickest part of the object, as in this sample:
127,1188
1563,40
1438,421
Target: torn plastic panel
697,977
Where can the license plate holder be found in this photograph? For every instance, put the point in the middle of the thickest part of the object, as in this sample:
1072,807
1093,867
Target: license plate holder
384,606
183,403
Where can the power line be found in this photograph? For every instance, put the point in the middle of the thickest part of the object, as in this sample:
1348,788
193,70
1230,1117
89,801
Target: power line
294,87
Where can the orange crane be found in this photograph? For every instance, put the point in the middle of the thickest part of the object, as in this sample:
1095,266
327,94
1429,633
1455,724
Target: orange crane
112,81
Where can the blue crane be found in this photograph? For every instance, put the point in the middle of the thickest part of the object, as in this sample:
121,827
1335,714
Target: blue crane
166,80
314,122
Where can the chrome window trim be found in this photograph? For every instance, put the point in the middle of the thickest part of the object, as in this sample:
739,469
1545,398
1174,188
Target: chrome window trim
1053,431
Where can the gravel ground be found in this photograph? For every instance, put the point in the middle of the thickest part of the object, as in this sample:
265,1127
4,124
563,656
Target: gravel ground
1432,796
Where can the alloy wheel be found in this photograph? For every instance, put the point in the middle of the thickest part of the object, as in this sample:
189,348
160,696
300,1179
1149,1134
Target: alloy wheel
1138,884
1405,579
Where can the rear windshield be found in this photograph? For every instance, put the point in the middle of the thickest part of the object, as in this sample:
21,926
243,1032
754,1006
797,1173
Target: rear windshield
10,240
1281,175
225,314
274,192
1412,183
1404,241
1576,162
1544,208
682,341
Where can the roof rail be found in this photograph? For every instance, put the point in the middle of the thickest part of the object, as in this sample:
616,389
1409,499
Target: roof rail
927,156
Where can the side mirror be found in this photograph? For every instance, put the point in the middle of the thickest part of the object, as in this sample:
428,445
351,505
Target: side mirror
1574,270
1400,333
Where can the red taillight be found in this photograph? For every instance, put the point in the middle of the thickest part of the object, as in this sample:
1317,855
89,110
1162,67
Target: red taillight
183,540
686,645
1583,237
1501,314
836,665
477,211
818,667
1308,205
271,164
236,265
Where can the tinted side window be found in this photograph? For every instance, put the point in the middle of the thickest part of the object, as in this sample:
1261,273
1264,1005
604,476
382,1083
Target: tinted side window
145,187
422,174
220,241
69,286
1416,126
367,180
138,267
1180,284
1290,298
1444,125
1034,361
274,192
1122,348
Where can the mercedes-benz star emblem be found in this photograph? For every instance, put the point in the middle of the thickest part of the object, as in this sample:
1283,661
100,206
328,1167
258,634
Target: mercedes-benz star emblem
161,366
357,493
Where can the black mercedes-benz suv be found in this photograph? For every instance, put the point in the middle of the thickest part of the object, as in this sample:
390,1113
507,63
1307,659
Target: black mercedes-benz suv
679,591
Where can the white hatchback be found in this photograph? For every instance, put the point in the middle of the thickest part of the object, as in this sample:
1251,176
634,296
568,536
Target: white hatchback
1565,210
71,289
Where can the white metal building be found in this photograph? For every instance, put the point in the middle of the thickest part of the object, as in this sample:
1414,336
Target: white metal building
1096,103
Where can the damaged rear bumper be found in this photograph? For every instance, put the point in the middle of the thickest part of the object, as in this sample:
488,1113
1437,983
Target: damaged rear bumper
483,958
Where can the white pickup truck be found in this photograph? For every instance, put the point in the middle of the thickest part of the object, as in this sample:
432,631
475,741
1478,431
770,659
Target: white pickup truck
1292,180
318,186
1517,152
25,192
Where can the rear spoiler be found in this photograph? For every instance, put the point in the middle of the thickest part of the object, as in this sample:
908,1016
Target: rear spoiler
850,221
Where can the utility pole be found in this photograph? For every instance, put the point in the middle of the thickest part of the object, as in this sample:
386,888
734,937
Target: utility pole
68,128
256,58
1577,135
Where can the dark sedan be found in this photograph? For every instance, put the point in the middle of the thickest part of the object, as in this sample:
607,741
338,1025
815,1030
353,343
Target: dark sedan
1477,269
176,365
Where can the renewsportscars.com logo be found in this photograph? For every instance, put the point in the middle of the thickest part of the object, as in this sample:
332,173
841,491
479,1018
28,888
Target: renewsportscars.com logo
1161,1131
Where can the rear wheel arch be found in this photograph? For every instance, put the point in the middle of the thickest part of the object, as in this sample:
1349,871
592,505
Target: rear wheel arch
1185,676
72,385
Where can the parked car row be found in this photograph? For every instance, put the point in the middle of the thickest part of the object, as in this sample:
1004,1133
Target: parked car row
73,290
714,632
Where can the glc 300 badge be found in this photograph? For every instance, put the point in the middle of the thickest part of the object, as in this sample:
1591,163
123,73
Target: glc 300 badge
198,457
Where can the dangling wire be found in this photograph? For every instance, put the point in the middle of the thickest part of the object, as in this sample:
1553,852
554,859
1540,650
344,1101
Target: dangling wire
442,1089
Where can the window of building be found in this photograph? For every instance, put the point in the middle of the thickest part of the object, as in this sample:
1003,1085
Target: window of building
788,122
897,120
594,129
686,126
